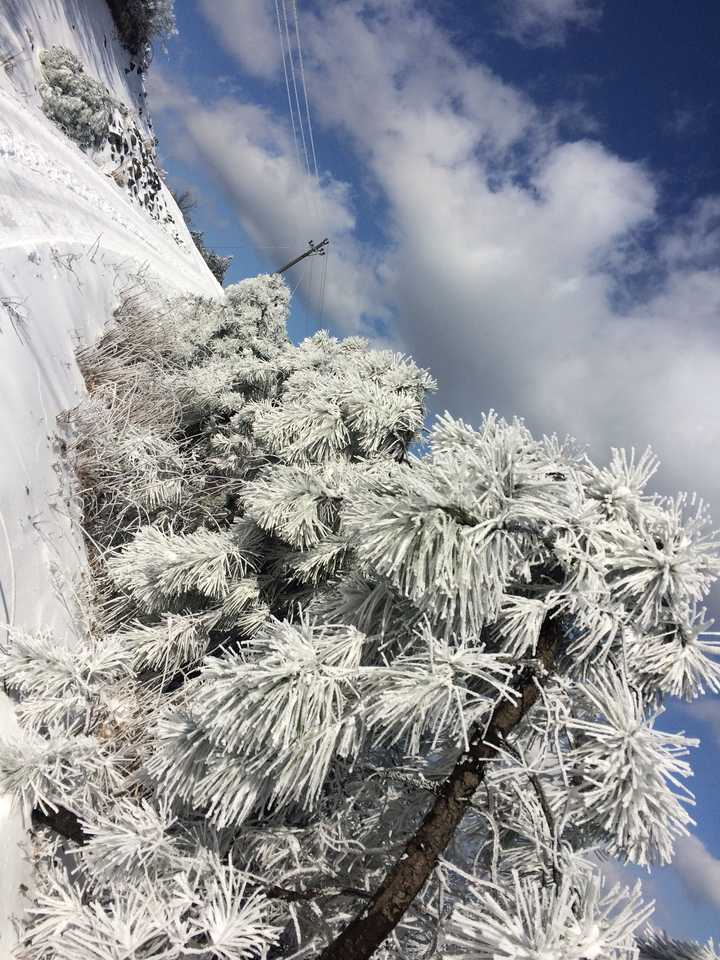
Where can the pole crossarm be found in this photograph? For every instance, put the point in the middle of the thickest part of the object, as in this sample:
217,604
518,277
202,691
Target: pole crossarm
313,248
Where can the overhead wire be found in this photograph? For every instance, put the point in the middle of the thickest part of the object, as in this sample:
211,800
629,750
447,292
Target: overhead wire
302,276
322,286
294,80
255,246
285,56
304,87
287,83
295,111
311,138
298,121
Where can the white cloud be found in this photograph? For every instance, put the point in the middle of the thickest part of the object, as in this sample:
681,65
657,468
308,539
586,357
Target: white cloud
696,239
498,241
686,121
683,893
706,710
546,22
384,71
252,156
699,870
248,31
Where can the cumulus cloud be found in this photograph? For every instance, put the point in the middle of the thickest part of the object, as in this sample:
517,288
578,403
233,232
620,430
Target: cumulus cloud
252,156
546,22
706,711
683,894
248,31
695,242
699,870
686,121
504,249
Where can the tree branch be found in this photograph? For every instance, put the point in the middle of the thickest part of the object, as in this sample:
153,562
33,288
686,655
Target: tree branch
62,821
544,806
408,875
68,825
275,892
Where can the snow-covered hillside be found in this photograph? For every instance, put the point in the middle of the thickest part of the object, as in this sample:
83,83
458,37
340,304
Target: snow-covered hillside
71,238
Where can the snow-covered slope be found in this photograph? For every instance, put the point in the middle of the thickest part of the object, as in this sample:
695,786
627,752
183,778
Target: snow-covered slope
70,239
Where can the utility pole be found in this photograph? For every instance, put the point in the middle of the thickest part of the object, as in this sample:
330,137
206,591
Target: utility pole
319,249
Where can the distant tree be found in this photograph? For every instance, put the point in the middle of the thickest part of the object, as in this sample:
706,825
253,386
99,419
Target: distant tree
186,203
217,263
139,22
343,701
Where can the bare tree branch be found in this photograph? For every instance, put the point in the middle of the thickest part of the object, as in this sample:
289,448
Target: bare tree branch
275,892
544,806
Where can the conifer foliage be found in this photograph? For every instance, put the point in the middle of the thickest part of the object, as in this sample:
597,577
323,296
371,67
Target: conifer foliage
139,22
217,263
116,139
79,104
343,693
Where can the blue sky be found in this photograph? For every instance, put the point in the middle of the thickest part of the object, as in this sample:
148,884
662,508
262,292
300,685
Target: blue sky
524,194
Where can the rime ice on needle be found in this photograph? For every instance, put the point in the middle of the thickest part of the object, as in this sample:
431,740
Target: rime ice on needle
304,623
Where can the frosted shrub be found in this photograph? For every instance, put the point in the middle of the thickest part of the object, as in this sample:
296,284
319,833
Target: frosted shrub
131,466
80,105
85,110
217,264
139,22
358,702
125,441
261,305
212,914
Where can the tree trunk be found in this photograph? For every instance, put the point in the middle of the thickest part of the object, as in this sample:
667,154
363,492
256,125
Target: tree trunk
408,875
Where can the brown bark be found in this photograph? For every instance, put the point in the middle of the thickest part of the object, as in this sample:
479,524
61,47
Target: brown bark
408,875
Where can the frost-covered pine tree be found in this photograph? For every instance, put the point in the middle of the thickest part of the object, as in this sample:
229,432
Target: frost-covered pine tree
80,105
140,22
345,694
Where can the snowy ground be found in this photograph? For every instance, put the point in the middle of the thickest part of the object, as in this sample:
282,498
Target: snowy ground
70,239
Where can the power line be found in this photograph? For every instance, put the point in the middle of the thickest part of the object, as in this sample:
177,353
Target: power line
302,277
294,80
322,287
311,286
254,246
286,45
297,120
311,138
304,86
287,82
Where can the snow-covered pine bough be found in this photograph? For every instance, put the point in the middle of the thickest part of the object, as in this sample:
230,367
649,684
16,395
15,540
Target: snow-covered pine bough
340,694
